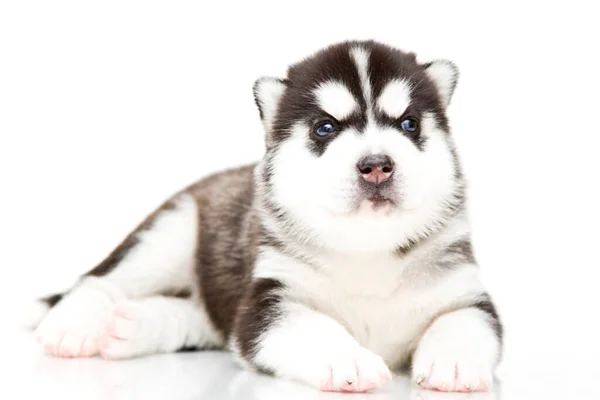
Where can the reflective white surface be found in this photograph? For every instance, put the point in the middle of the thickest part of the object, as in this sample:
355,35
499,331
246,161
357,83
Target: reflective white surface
28,373
107,108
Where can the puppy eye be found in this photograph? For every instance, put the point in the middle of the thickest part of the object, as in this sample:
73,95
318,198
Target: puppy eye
324,129
410,125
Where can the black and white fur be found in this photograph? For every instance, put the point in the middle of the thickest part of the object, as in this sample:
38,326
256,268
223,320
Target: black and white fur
299,264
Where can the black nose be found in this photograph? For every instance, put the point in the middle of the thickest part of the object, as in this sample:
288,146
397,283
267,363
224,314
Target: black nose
376,168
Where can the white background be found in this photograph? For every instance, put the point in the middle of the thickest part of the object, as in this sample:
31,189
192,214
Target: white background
107,108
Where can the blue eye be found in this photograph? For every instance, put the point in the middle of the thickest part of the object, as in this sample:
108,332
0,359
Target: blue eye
410,125
324,129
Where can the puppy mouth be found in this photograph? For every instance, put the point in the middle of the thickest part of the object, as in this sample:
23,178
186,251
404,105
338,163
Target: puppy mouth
383,194
379,198
377,202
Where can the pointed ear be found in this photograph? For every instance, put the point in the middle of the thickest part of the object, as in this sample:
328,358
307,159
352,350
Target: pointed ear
267,94
445,76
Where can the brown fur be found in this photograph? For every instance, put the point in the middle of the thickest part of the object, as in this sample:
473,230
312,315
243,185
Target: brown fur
227,241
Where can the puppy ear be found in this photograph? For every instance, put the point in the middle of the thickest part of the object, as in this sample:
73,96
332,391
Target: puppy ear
267,94
444,74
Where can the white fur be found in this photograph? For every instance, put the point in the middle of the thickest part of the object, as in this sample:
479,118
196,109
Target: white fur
361,58
335,99
321,193
444,74
73,327
395,98
457,353
236,352
311,347
32,314
348,281
162,260
155,325
268,92
363,290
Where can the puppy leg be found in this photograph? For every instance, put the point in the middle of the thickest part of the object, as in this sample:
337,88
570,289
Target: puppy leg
291,340
156,258
156,325
459,351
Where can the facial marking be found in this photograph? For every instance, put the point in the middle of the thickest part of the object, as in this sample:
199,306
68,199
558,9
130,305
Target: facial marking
395,98
361,58
322,199
335,99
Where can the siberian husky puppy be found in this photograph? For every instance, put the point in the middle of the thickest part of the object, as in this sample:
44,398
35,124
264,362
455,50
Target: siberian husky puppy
344,253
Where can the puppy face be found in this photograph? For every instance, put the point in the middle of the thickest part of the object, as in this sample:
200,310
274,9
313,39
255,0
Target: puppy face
358,150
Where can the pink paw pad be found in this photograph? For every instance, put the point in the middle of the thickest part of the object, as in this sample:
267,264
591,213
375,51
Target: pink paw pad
327,385
111,331
107,340
118,333
105,355
457,386
121,312
49,349
120,326
444,388
357,385
65,354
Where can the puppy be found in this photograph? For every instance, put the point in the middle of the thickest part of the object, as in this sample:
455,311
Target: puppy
344,253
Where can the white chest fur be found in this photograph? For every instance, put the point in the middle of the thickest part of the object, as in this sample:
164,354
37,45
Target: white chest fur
384,301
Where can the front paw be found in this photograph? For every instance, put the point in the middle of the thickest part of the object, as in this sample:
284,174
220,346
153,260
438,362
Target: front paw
444,367
458,353
357,370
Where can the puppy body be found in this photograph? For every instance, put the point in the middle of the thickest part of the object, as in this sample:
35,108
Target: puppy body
344,252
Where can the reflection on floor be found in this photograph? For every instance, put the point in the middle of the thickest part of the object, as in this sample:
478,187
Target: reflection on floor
202,375
214,376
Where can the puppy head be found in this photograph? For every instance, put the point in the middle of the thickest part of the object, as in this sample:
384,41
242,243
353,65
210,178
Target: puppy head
359,155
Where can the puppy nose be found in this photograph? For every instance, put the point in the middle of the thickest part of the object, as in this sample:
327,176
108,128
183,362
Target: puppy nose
376,168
